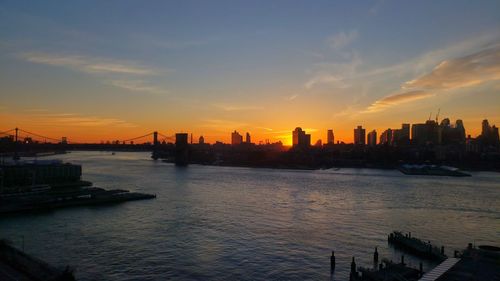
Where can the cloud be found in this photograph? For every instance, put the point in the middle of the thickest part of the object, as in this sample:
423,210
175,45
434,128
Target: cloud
265,129
342,39
229,107
334,74
222,125
461,72
325,79
396,99
88,64
466,71
137,86
77,120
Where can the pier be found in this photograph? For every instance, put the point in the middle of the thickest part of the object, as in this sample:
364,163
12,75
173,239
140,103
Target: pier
69,198
416,246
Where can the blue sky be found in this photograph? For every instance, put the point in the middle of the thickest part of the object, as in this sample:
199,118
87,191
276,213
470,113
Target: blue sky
209,67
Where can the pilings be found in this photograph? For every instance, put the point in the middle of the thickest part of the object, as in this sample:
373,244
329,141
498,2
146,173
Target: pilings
332,262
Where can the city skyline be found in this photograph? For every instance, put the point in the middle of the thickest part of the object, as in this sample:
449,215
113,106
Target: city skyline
84,73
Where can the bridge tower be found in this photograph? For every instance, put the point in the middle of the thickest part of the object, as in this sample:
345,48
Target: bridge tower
155,138
16,146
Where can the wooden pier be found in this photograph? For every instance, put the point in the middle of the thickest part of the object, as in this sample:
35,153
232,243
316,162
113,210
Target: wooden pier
416,246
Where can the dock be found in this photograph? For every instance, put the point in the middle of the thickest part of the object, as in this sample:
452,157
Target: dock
416,246
481,263
54,199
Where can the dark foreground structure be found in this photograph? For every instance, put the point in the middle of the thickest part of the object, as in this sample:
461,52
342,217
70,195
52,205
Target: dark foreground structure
17,265
470,264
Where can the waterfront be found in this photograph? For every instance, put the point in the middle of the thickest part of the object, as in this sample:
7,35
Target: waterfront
219,223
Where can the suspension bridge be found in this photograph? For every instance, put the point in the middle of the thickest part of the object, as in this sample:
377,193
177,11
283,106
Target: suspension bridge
18,141
19,135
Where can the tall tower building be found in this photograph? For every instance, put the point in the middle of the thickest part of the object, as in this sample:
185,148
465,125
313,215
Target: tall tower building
359,136
330,137
247,138
236,138
372,138
300,138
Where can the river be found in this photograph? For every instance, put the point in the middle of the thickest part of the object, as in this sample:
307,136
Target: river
230,223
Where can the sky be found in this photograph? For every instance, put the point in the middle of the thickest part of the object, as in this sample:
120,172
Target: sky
111,70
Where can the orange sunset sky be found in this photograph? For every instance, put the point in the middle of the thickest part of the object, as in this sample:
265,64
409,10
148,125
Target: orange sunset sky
90,73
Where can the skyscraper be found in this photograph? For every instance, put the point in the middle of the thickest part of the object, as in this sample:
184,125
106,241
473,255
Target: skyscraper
386,137
330,137
236,138
359,136
300,138
372,138
247,138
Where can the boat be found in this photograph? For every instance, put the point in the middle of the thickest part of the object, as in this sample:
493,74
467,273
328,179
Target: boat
431,170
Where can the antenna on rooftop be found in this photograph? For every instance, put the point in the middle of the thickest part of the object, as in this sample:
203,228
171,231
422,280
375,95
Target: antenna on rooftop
437,115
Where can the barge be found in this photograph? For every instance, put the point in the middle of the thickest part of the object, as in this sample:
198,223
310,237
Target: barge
431,170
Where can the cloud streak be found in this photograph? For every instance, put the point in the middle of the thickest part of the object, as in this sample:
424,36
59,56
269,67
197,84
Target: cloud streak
396,99
77,120
137,86
342,39
229,107
467,71
461,72
88,64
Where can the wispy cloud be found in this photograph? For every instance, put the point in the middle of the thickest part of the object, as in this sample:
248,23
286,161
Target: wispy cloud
342,39
334,74
232,107
78,120
265,129
470,70
222,125
326,79
461,72
396,99
88,64
137,86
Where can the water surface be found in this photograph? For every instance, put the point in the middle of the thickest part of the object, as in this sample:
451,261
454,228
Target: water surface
226,223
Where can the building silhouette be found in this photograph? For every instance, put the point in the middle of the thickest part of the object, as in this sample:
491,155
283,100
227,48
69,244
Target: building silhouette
386,137
247,138
401,136
236,138
300,138
330,137
452,134
426,133
201,140
372,138
359,136
489,134
181,149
